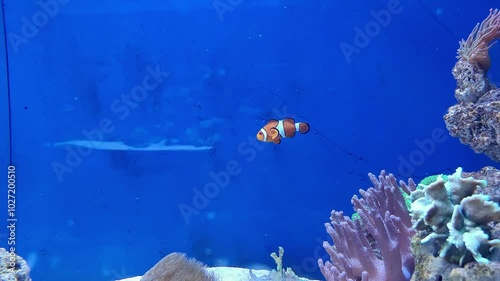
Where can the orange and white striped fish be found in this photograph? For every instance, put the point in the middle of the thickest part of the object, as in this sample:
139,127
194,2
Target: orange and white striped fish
275,130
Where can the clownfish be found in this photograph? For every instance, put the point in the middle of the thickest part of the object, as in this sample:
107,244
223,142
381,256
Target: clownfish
275,130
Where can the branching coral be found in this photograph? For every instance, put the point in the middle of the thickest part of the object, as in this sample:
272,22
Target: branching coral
476,47
376,246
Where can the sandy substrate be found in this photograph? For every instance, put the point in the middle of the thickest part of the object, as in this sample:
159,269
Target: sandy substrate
228,274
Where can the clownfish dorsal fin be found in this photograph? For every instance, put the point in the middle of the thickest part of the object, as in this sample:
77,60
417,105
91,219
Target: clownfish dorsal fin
273,122
274,133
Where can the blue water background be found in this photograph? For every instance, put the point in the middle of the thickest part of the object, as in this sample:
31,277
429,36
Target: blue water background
115,214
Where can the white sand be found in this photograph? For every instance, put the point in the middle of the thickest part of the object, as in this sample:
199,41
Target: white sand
228,274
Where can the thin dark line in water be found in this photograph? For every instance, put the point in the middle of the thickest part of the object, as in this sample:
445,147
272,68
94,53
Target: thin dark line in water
271,92
7,75
431,14
359,158
345,151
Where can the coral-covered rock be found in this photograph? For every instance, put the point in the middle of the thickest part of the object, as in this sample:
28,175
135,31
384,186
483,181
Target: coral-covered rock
428,265
492,176
477,124
458,227
456,218
476,119
471,81
476,272
13,267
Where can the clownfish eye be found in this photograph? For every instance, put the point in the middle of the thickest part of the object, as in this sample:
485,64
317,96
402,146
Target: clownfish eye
260,133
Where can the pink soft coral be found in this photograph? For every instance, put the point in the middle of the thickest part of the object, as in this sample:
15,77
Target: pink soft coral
475,48
375,247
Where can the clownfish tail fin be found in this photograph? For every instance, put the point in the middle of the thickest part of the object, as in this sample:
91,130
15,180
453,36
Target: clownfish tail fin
304,127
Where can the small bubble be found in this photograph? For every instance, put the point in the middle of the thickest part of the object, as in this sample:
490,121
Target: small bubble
210,215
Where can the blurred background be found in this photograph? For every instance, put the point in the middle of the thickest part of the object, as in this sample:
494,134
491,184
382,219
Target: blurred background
373,78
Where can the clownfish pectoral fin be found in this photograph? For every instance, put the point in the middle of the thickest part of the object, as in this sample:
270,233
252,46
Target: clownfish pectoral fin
274,133
277,141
